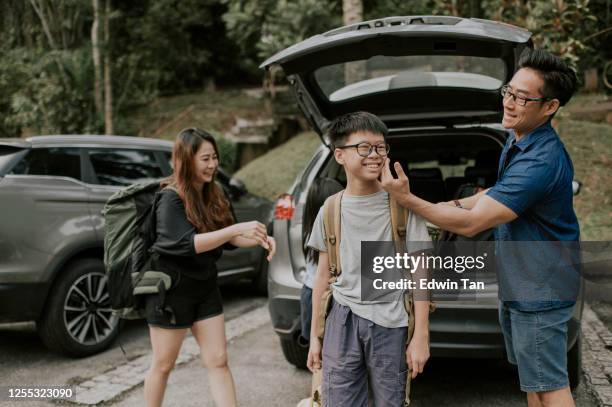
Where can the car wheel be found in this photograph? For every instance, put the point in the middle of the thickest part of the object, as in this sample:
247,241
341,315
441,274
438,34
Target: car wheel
295,352
78,320
574,363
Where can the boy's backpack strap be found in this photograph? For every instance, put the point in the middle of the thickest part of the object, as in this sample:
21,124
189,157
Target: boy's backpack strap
399,220
331,222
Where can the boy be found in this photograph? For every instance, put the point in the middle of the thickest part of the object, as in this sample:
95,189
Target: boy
365,341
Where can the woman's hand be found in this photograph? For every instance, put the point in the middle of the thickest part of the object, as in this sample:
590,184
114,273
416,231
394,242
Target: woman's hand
271,247
253,230
417,354
314,354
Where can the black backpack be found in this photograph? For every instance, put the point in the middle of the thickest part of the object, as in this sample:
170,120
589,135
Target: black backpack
129,235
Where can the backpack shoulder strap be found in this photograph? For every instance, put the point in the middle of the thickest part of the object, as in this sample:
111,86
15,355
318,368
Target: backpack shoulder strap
399,220
331,222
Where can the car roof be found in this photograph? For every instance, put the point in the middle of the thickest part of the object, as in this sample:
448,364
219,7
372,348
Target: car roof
88,141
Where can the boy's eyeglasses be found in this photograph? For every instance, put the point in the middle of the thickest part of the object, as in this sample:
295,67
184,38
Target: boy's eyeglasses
520,100
364,149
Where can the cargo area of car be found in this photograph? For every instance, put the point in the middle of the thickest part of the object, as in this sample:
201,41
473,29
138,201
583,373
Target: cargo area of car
440,163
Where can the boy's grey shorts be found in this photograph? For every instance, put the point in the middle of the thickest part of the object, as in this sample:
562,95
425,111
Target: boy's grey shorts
357,351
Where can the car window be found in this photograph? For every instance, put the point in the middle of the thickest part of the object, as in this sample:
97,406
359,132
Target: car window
9,155
124,166
382,73
168,156
56,161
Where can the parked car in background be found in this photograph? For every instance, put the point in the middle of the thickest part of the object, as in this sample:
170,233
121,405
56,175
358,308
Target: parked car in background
435,82
52,191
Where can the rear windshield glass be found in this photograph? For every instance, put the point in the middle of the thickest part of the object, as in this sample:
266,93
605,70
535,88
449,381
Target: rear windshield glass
381,73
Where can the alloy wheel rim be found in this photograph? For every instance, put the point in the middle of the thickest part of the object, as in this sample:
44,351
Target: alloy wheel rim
88,316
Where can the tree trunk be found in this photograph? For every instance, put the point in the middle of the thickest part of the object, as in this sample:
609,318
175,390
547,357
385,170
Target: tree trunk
352,12
95,50
108,83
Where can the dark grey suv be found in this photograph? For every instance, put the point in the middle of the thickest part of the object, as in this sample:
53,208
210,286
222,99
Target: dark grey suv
435,82
52,190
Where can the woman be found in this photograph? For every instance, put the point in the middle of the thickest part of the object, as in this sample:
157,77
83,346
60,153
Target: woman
194,224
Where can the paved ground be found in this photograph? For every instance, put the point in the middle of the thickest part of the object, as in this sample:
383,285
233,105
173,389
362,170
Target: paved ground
263,376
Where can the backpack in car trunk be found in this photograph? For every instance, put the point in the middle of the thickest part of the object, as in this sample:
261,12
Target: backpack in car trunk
129,233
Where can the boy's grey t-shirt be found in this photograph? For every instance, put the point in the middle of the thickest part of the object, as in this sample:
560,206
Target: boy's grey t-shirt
368,218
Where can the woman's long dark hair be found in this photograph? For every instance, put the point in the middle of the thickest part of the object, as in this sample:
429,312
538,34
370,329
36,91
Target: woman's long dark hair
208,209
320,189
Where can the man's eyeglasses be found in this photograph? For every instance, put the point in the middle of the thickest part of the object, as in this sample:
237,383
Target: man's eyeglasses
364,149
520,100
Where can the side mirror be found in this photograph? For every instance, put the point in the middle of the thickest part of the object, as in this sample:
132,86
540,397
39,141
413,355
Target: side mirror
237,187
576,186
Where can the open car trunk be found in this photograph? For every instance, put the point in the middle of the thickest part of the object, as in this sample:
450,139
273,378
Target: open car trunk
410,71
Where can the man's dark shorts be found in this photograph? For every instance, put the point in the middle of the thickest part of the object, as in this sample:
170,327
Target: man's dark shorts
536,341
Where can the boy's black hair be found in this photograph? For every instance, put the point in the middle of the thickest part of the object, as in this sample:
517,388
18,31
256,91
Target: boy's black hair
559,79
320,189
342,127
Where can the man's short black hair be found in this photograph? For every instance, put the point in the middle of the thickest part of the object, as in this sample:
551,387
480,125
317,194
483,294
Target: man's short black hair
559,79
342,127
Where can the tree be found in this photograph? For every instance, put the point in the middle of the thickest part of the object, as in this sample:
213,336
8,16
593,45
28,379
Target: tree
97,63
108,83
352,12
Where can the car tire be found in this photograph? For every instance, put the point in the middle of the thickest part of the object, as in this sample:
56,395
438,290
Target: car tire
78,320
574,363
295,353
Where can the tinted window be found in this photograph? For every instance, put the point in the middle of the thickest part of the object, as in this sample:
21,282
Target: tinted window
58,161
382,73
8,157
124,167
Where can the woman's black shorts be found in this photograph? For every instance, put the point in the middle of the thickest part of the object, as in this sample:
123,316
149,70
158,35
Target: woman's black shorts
189,300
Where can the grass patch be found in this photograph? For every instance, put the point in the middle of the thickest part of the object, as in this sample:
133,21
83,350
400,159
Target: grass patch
273,173
590,146
214,111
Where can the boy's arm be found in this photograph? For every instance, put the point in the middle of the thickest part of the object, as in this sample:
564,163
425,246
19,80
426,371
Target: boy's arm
320,284
417,353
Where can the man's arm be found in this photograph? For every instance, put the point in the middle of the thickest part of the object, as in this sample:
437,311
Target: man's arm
485,214
470,201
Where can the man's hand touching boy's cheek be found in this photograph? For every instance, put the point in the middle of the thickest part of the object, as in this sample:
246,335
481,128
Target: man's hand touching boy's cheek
394,186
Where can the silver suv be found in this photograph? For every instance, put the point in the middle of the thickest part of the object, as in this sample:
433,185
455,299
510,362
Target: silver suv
52,190
435,82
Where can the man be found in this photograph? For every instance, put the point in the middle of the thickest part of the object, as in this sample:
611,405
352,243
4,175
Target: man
531,201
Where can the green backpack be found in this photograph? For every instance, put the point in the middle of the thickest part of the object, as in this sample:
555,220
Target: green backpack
129,234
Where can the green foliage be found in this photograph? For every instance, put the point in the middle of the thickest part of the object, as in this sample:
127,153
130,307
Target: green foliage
559,26
227,153
49,91
264,27
272,174
175,46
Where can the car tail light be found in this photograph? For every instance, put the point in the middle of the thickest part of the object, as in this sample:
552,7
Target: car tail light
284,207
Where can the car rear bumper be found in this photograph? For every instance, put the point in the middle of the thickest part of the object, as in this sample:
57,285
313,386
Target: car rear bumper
21,302
456,330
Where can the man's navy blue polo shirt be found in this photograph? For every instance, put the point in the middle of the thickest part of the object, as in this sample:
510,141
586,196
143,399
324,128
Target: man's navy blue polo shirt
535,181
